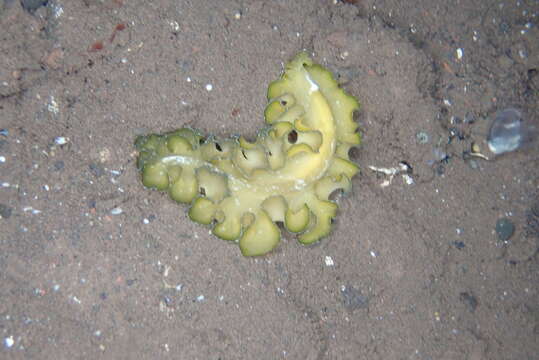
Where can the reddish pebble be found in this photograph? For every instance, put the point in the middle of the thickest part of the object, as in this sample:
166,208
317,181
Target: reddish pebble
98,45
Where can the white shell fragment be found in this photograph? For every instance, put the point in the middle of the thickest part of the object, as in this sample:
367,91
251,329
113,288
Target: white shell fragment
329,261
60,140
403,169
116,211
9,342
31,210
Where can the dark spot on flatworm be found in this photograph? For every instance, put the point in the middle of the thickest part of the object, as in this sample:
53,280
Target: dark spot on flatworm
202,191
218,147
334,195
292,137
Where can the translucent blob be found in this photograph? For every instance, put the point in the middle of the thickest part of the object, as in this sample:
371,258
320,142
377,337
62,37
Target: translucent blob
510,131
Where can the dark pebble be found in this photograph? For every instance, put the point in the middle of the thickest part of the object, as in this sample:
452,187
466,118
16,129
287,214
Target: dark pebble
456,120
3,144
5,211
469,118
92,204
535,209
504,28
440,170
459,245
130,282
59,165
33,5
469,300
353,299
96,170
185,65
456,133
504,229
168,300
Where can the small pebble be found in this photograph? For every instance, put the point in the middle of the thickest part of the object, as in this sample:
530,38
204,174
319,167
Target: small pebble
175,26
4,132
408,179
209,87
455,120
504,229
535,209
31,209
469,118
96,169
200,298
2,159
522,53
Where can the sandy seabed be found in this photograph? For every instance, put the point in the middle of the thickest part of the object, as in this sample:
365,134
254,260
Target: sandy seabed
93,265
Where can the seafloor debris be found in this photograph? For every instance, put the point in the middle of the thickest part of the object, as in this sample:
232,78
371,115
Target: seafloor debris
510,131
